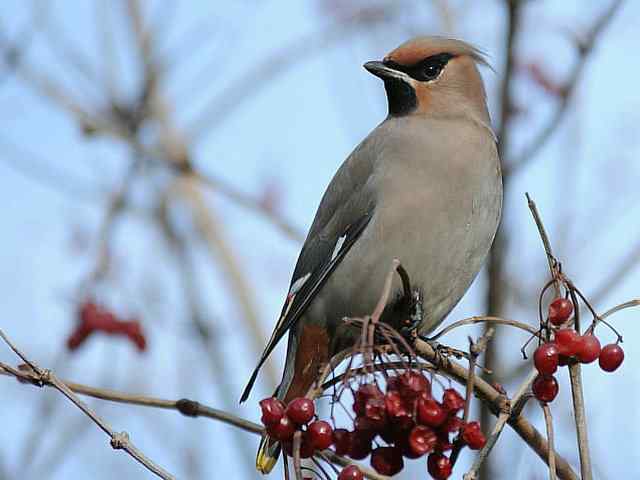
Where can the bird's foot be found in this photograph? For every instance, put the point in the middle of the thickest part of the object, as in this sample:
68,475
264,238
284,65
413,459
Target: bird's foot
409,330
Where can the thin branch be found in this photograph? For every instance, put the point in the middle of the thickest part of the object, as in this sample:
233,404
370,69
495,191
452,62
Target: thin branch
489,320
515,406
497,402
211,232
219,109
548,421
119,440
251,203
574,368
585,48
186,407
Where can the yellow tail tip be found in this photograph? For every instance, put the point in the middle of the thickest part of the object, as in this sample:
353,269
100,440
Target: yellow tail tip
267,456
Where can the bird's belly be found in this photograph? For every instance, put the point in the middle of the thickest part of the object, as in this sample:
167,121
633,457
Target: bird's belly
440,240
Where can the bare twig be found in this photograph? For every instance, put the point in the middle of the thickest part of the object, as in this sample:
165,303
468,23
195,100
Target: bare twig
119,440
585,48
489,321
548,421
475,349
574,367
218,110
211,232
251,203
496,402
187,407
515,406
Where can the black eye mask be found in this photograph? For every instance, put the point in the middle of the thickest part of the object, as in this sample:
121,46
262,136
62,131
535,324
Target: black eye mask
425,70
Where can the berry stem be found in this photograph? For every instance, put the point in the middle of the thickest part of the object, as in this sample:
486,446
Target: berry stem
581,420
548,420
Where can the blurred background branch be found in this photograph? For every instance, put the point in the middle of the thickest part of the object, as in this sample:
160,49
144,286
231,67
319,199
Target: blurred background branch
139,135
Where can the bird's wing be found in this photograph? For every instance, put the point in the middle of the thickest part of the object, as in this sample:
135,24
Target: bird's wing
345,211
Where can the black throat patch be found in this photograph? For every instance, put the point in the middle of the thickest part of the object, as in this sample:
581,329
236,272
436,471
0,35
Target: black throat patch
401,97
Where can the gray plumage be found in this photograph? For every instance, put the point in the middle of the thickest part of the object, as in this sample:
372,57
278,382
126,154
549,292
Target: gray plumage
423,187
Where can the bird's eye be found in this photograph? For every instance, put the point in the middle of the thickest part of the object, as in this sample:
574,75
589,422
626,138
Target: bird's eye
431,69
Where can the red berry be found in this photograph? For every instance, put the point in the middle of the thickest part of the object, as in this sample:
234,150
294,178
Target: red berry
366,426
546,358
364,393
588,348
283,430
451,424
439,466
320,434
359,445
375,411
473,436
412,384
306,447
393,384
452,401
431,413
568,341
341,441
387,460
351,472
560,310
422,440
545,388
301,410
611,357
401,426
443,444
272,410
395,405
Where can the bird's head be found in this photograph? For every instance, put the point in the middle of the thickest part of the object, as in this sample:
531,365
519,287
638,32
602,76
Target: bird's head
433,76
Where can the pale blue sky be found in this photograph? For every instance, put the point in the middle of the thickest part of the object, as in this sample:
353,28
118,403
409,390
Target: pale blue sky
293,130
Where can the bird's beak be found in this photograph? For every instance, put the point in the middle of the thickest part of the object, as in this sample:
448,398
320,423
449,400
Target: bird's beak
379,69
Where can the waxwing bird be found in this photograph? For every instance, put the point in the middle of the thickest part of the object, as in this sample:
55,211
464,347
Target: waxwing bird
424,187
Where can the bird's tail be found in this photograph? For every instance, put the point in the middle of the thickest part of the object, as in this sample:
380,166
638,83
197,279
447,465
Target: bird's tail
306,354
268,454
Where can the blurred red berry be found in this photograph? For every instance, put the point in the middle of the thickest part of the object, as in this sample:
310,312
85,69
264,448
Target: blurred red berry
341,441
443,444
473,436
611,357
439,466
431,413
306,447
301,410
451,424
364,393
395,405
452,401
375,410
545,388
366,426
393,383
320,434
359,445
422,440
272,410
560,310
588,348
283,430
568,341
351,472
412,384
546,358
387,460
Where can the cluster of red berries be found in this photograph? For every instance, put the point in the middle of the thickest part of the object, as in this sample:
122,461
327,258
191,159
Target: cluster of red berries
407,418
95,318
568,344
